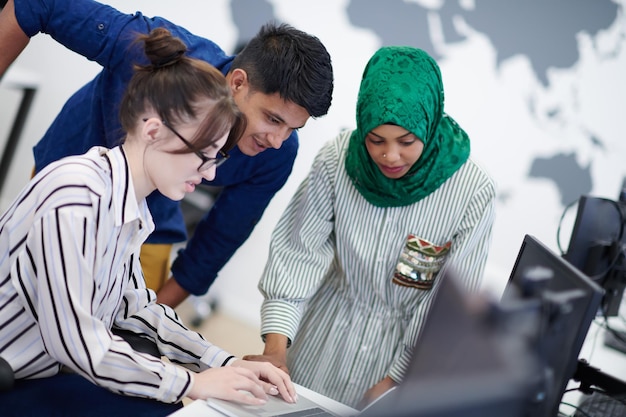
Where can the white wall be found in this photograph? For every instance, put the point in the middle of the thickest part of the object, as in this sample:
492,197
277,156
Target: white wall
490,102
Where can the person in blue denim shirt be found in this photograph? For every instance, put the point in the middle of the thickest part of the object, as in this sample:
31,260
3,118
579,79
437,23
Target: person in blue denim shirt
279,80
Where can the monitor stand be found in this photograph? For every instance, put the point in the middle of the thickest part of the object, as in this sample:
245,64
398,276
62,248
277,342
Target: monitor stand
590,377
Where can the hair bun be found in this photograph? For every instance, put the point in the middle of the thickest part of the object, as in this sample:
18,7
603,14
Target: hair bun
168,60
162,49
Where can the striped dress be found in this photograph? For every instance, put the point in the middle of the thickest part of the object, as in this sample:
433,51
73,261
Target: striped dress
328,284
69,272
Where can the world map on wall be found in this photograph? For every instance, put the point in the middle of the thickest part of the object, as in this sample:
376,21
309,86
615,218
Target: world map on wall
515,28
536,29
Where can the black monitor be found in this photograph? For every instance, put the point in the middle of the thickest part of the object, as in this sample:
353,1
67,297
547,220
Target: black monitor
597,247
568,302
464,363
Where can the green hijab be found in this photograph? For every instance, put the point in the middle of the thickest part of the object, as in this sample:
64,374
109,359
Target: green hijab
402,86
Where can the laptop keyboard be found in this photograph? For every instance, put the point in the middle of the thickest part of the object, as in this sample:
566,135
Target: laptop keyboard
602,405
311,412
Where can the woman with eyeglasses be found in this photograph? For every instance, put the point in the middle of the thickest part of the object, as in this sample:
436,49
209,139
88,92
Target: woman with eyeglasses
70,275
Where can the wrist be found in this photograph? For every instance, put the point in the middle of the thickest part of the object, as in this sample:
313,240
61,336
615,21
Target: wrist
229,360
276,344
388,383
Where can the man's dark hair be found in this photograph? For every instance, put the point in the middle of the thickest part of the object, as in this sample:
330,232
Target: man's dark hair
293,63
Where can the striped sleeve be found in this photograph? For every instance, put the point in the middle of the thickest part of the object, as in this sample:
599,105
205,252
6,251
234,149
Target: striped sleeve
66,308
301,249
142,315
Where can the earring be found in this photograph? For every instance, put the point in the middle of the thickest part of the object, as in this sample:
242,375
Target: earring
384,155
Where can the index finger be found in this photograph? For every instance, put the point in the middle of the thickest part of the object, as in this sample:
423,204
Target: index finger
283,383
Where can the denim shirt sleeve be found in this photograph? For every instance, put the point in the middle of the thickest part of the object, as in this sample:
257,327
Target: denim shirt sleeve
88,28
102,33
234,215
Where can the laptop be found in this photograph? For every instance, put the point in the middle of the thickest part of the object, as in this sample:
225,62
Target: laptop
276,406
458,365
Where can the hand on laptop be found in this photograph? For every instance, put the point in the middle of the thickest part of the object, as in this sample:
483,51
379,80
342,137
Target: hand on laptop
274,380
376,391
233,383
275,360
275,351
227,383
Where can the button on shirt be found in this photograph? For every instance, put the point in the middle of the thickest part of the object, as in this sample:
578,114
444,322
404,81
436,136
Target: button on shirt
69,272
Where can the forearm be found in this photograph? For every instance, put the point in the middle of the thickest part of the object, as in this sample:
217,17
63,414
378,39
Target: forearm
275,351
377,390
172,294
13,40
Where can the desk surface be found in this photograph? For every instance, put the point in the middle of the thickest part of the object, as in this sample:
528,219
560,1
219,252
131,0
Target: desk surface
200,408
604,358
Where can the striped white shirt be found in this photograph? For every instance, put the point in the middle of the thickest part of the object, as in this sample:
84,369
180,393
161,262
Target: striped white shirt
328,281
69,272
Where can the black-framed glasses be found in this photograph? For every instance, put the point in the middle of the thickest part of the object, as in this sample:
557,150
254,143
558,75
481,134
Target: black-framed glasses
207,161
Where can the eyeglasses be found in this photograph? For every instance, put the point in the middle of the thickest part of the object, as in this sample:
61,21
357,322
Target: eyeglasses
207,161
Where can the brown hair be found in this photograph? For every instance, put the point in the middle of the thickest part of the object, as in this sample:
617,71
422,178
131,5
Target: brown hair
174,85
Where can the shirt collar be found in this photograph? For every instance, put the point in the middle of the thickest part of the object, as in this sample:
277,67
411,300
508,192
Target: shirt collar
123,199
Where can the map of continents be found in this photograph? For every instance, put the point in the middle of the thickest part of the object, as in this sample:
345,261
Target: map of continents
544,32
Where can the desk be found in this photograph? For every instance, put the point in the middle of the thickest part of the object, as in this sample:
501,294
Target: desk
199,408
28,83
606,359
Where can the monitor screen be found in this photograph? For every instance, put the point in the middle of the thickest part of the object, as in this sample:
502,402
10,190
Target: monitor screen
597,245
568,300
463,363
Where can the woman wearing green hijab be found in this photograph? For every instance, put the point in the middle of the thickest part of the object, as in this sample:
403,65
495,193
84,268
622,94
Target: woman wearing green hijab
355,257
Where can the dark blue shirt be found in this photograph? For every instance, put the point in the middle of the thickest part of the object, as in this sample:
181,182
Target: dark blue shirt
90,117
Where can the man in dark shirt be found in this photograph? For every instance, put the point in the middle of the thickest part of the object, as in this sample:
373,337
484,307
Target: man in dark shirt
281,79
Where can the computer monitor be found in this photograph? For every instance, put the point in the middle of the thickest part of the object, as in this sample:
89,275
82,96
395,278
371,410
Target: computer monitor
463,364
568,301
597,247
